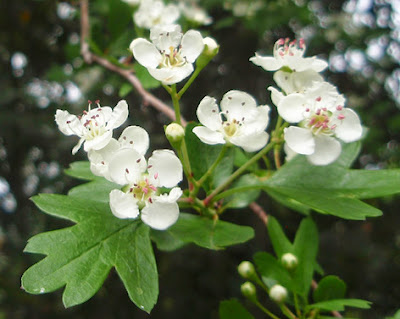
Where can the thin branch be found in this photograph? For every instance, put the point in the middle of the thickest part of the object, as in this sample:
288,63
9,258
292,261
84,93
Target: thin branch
259,211
90,57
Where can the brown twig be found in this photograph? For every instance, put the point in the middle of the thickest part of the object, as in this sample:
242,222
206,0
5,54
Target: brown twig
259,211
89,57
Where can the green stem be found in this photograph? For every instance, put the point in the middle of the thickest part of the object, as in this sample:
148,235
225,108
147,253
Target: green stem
239,171
213,166
175,101
186,161
190,81
296,305
286,311
265,310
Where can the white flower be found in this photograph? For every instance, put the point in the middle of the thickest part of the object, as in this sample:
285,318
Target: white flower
278,293
240,121
290,55
133,137
323,121
169,58
194,13
151,13
94,127
132,2
141,192
296,82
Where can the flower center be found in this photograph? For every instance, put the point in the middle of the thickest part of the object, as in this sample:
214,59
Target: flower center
230,128
172,58
143,191
95,125
319,122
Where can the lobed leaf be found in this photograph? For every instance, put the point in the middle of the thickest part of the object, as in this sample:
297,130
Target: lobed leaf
340,304
80,257
330,287
233,309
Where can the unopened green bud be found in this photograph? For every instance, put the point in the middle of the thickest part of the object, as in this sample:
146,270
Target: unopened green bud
249,291
246,270
210,50
278,293
289,261
175,134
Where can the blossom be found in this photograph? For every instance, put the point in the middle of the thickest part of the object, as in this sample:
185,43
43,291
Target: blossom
151,13
141,181
239,122
94,127
170,56
324,120
132,2
194,13
133,137
290,55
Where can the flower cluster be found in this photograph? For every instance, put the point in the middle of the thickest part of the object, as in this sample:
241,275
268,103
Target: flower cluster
314,104
122,161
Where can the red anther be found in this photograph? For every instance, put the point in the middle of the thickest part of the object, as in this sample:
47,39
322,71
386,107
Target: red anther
155,175
313,120
324,109
68,122
333,127
127,170
339,107
307,110
318,112
145,190
138,160
150,200
90,102
301,43
341,117
152,187
97,101
131,189
150,166
318,99
281,41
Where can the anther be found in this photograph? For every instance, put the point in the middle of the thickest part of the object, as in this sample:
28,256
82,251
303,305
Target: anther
318,99
341,117
138,160
127,170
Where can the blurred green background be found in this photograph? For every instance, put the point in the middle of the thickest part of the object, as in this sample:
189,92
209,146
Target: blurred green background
41,71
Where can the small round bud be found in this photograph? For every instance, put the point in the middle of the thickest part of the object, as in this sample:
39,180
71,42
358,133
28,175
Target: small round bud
211,47
249,290
175,134
246,269
278,293
289,261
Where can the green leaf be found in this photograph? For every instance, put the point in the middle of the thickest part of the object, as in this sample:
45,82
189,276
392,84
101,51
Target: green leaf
332,189
270,268
80,257
207,233
119,17
125,89
145,78
202,156
233,309
97,190
280,242
80,170
305,249
330,287
165,240
340,304
243,199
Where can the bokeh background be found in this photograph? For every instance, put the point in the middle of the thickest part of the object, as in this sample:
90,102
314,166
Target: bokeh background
41,70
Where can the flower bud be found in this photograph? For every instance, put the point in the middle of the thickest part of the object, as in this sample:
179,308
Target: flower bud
246,270
175,134
289,261
278,293
249,291
210,50
211,47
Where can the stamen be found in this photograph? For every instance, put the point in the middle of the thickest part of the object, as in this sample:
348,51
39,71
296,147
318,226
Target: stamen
341,117
138,160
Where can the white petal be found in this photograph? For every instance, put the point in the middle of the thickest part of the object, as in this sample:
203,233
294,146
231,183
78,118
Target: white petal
276,96
349,129
77,146
98,142
300,140
237,104
257,120
145,53
166,36
304,80
208,136
160,215
68,124
123,205
135,137
119,115
100,159
327,150
319,65
192,45
126,166
251,143
292,107
166,167
174,194
208,113
290,154
170,14
284,81
173,75
268,63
